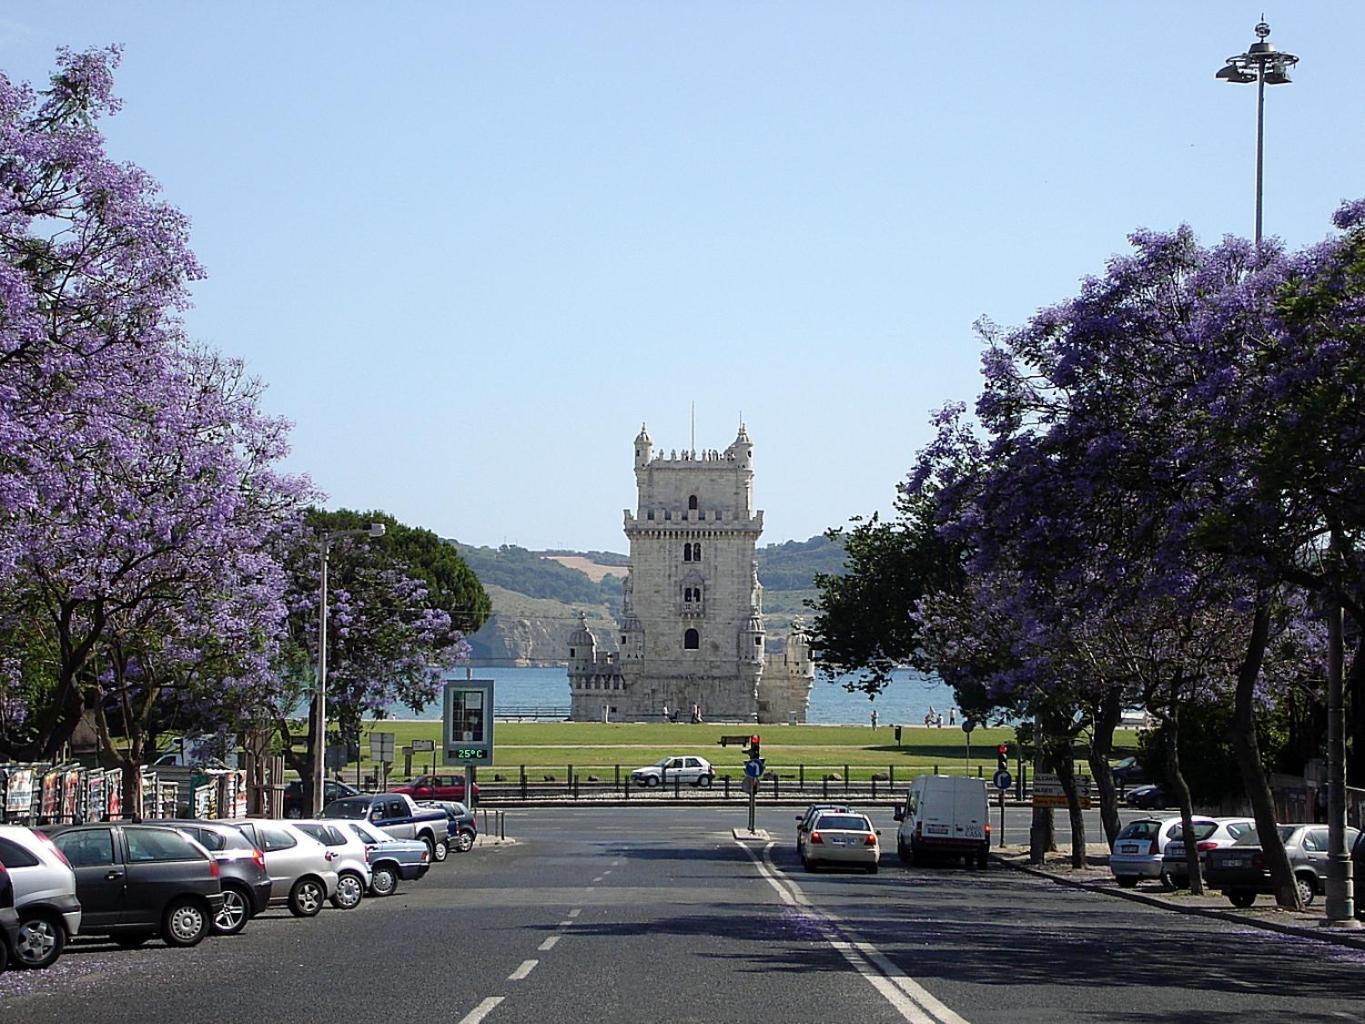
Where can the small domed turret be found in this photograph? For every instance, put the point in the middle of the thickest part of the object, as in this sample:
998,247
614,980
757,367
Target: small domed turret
582,644
741,450
644,447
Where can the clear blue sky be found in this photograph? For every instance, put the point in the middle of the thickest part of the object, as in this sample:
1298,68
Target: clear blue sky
471,247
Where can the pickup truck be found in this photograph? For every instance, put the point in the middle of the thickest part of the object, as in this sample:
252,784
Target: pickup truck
396,815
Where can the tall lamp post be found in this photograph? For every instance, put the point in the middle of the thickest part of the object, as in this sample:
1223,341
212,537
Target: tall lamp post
320,693
1264,65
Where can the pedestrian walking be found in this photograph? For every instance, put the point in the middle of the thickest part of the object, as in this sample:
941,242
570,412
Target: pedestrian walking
874,718
665,712
952,716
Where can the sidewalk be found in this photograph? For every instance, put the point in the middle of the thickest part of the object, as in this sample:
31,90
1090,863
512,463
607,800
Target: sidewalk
1095,877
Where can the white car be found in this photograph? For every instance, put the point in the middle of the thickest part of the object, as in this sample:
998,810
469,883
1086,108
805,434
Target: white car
840,837
1138,849
694,771
1225,832
301,871
348,860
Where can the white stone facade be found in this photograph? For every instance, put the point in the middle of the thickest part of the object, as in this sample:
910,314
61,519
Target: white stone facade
692,623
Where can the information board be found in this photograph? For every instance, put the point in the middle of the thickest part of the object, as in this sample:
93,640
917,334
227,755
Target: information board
467,733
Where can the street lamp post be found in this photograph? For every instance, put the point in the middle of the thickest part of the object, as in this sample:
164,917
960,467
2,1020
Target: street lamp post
320,692
1264,65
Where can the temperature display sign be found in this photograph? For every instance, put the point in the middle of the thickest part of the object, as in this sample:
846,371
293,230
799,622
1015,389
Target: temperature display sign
468,722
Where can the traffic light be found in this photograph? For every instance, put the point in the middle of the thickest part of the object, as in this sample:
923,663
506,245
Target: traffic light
752,749
1002,757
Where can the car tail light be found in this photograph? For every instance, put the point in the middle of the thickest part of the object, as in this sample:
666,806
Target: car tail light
258,856
815,837
214,869
988,829
871,839
1206,847
424,856
46,841
1156,846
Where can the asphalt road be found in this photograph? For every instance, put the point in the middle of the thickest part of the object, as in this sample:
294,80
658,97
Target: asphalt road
658,915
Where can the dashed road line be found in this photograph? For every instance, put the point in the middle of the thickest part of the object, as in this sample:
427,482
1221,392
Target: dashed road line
566,924
548,944
527,966
911,999
597,879
575,912
481,1011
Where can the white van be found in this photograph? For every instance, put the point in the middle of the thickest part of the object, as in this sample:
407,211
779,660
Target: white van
944,816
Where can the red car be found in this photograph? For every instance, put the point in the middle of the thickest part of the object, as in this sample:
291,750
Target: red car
437,787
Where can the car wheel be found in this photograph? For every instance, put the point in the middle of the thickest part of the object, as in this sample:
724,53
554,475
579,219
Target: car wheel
383,881
652,780
464,842
431,848
39,942
1241,898
235,913
1167,882
1125,882
808,864
4,956
983,861
705,781
1307,890
441,852
293,812
305,898
350,891
185,923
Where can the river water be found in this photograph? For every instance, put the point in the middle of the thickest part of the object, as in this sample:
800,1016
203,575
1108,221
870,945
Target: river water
906,701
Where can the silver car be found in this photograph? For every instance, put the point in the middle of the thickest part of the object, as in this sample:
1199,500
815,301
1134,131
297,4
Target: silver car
348,850
44,895
302,874
1225,833
1139,847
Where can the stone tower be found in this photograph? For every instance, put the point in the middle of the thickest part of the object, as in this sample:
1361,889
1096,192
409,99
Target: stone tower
692,628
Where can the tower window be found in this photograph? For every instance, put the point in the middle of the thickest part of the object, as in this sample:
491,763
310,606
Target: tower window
691,640
572,653
696,552
650,514
692,502
687,552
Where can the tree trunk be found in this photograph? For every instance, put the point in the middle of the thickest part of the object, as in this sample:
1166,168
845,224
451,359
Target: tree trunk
1182,795
1064,763
1248,751
1107,717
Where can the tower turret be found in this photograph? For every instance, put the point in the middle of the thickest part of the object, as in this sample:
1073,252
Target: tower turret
582,644
644,448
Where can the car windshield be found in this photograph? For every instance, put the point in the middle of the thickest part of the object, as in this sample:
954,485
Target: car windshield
364,832
324,834
844,822
1145,829
663,762
358,809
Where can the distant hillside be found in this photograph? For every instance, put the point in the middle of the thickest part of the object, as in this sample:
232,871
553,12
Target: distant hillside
537,595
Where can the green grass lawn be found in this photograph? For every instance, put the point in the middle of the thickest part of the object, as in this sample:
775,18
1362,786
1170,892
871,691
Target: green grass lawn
597,747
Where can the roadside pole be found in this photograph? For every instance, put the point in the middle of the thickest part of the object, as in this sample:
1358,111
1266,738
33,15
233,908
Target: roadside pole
753,802
1002,818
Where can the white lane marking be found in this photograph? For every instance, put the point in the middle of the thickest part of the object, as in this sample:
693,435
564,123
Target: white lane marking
548,944
527,966
575,912
565,924
597,879
607,872
616,863
481,1011
912,1000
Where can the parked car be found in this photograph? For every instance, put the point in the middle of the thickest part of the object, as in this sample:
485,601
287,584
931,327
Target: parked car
1140,846
136,881
1127,772
301,873
395,814
1225,832
1240,870
840,837
348,858
944,816
436,787
390,859
332,789
246,882
1148,798
695,771
462,827
44,893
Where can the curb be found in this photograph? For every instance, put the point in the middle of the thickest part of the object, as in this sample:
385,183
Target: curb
1351,941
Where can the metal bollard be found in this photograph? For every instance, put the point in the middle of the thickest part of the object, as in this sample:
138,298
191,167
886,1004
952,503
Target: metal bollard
801,776
845,778
776,776
575,787
523,782
618,779
627,788
727,787
824,787
677,786
874,787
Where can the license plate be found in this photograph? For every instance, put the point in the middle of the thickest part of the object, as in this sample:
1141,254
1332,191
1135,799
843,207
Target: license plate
839,842
1234,862
974,832
1129,848
940,830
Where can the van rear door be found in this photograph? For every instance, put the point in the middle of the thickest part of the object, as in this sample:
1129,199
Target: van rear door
969,809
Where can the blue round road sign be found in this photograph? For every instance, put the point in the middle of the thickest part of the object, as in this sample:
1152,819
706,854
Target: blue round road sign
753,769
1003,779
